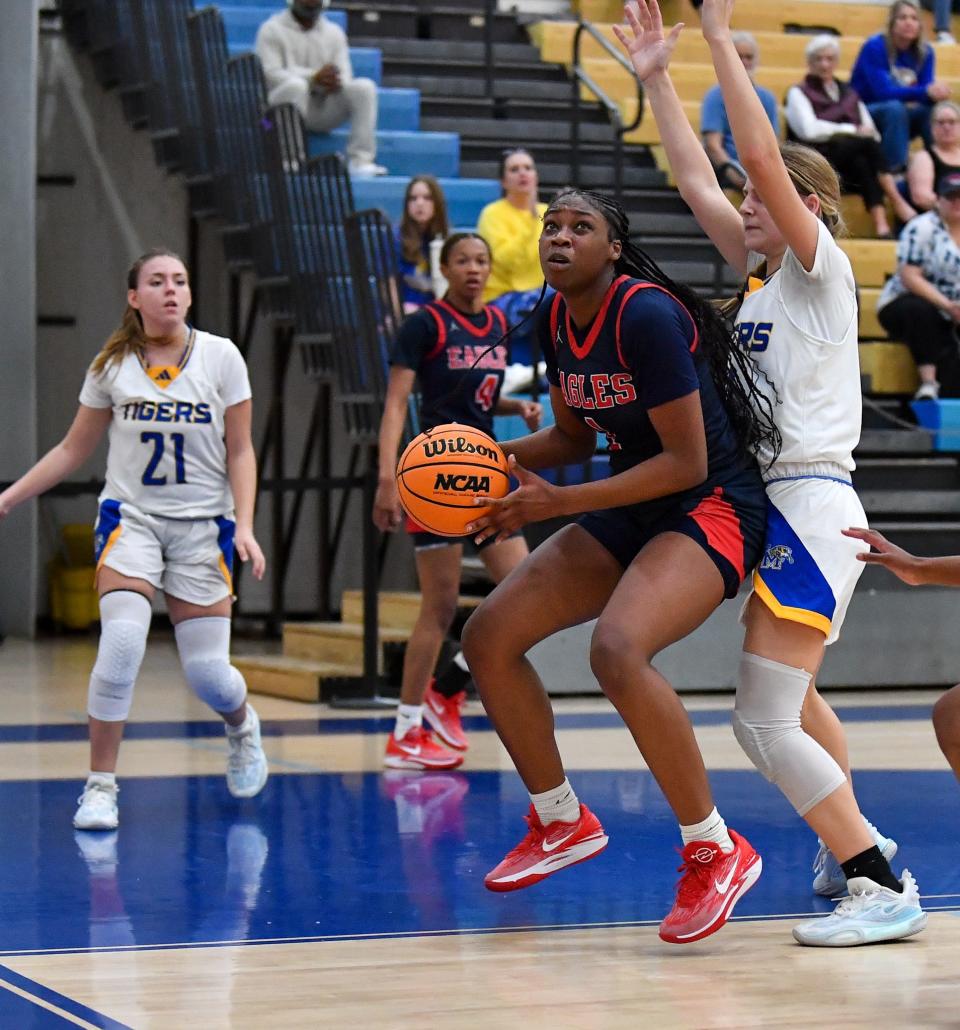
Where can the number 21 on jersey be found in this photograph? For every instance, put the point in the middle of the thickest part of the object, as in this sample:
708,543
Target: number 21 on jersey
157,440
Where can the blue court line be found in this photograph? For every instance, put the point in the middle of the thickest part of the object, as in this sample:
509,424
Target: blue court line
68,1005
465,931
63,732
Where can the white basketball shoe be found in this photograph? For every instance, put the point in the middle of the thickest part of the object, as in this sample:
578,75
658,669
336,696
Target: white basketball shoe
97,805
831,881
247,764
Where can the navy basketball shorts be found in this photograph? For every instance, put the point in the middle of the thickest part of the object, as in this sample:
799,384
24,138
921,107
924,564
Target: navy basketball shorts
727,520
424,540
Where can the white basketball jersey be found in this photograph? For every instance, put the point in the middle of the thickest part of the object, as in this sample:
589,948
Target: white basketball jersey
801,329
167,452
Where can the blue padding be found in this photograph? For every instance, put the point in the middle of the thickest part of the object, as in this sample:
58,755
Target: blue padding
242,20
466,198
403,153
598,467
943,419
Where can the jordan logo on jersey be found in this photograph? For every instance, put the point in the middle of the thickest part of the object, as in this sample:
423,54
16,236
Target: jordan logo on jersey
776,556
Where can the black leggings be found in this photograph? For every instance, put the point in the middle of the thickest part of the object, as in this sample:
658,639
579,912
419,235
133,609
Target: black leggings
929,336
859,161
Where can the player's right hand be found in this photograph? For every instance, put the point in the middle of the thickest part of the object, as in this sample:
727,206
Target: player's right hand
387,510
647,48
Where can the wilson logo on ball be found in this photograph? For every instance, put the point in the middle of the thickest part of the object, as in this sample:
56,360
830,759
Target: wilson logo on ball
442,473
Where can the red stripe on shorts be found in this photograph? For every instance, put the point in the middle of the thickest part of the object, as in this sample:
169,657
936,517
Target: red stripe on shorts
721,526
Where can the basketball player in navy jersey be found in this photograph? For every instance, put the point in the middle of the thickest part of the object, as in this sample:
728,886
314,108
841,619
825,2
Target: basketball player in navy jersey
450,346
672,532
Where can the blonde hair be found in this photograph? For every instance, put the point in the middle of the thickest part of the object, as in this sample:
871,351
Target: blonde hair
128,337
918,46
810,172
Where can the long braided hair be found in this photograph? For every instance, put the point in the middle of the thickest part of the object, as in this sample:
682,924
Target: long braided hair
731,368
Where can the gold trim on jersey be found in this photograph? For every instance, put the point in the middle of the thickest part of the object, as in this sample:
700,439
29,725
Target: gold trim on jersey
164,375
783,611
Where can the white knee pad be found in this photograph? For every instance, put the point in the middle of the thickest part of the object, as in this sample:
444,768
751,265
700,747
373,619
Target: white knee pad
766,722
124,624
204,646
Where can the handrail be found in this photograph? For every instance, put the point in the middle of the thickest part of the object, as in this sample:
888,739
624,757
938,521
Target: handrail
488,52
613,108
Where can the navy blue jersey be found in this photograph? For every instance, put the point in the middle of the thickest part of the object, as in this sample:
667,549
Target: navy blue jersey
440,343
640,350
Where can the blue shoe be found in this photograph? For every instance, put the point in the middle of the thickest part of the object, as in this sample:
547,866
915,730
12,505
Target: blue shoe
831,881
870,915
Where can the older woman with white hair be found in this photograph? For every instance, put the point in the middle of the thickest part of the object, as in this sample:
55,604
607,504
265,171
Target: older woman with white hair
828,115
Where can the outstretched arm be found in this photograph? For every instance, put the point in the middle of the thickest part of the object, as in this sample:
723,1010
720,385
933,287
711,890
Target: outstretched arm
81,441
649,51
757,145
942,571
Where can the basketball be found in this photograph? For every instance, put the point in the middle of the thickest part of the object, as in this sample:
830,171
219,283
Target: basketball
443,470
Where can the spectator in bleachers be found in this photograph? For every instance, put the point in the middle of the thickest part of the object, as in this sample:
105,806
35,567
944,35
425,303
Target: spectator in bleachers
826,114
306,62
511,225
424,219
928,166
894,76
941,17
715,125
920,304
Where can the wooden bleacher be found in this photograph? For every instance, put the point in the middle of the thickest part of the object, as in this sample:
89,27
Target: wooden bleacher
887,365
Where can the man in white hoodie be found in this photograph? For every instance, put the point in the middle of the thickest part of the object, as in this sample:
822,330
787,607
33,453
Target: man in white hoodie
306,62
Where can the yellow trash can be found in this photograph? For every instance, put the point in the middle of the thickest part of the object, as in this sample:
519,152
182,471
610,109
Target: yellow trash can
73,598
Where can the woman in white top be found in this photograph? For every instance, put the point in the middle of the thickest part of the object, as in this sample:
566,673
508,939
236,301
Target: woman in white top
799,320
826,114
177,501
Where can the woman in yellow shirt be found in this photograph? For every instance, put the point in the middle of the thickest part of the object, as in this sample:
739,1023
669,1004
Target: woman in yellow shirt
511,226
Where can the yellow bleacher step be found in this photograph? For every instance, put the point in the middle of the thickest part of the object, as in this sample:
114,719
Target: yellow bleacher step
396,609
888,367
294,678
873,260
340,643
870,327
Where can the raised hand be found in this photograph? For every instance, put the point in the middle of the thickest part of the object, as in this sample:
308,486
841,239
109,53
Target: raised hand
646,46
715,18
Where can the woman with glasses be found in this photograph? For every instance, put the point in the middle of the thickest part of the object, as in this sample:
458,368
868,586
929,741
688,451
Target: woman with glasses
511,225
928,166
828,115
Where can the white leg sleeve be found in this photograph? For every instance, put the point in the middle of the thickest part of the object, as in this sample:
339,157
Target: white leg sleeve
124,624
766,721
204,646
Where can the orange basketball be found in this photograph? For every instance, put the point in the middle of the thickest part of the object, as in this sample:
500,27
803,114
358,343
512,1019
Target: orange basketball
443,470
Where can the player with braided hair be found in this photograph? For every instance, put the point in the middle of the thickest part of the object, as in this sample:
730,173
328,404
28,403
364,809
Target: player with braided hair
663,541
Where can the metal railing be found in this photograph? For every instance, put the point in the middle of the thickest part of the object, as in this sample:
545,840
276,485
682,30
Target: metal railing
613,108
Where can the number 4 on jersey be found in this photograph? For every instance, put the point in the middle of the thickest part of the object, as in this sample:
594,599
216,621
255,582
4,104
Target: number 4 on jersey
486,394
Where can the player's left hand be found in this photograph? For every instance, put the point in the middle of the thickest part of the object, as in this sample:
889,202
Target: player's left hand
531,412
534,500
247,548
715,18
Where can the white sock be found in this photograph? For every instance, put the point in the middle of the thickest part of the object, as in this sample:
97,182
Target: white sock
558,804
460,662
110,779
408,716
712,828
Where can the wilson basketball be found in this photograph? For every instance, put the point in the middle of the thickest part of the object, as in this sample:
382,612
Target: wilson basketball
443,470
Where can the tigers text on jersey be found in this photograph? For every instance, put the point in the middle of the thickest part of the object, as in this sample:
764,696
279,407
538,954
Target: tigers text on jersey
167,453
639,351
440,344
801,329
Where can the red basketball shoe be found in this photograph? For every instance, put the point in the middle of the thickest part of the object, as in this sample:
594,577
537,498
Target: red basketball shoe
418,750
443,714
712,883
545,849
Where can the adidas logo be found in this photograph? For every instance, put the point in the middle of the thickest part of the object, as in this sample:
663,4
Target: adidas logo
164,375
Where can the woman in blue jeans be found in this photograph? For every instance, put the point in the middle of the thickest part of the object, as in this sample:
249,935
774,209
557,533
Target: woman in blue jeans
941,17
894,75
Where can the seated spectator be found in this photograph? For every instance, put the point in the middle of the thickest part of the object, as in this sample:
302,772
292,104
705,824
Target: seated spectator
827,115
424,219
715,125
511,226
306,62
941,17
893,74
928,166
920,305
